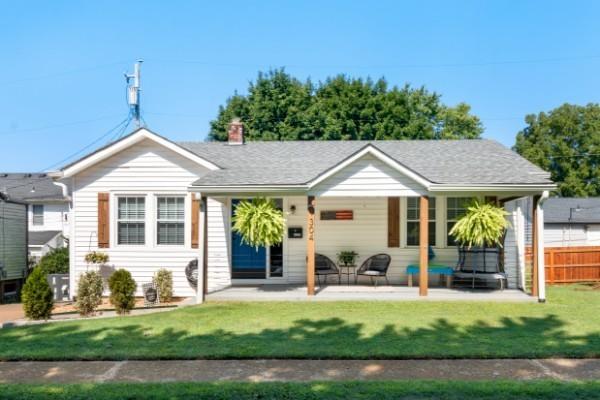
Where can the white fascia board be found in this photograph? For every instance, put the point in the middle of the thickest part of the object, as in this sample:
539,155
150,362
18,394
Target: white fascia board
370,149
130,141
492,188
248,188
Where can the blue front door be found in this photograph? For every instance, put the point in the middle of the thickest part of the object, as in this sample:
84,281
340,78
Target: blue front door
247,262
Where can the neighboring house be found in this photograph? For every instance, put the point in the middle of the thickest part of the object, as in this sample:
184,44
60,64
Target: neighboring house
48,209
150,203
572,221
13,247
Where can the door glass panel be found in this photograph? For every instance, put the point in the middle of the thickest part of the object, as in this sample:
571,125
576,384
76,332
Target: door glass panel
276,252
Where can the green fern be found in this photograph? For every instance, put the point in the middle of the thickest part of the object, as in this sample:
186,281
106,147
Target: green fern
482,225
259,222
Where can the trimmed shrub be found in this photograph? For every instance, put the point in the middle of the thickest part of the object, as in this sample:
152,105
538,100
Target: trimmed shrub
122,289
55,261
37,297
163,280
89,293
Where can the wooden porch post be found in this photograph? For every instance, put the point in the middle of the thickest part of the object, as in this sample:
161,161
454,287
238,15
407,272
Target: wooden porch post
423,245
534,249
310,247
199,208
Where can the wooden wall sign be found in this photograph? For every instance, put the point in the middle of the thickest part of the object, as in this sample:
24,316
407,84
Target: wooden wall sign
337,215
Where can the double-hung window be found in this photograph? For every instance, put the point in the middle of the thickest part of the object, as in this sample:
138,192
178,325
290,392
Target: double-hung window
37,214
131,220
456,207
413,221
170,214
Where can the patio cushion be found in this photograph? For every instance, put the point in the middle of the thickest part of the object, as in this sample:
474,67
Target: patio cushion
373,273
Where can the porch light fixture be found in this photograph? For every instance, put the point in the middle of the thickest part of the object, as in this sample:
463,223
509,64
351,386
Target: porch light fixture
292,209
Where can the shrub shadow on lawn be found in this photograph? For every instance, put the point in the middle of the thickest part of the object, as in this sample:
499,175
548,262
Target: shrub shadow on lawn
331,338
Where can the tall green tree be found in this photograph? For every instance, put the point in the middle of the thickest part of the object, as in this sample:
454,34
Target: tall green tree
281,107
565,142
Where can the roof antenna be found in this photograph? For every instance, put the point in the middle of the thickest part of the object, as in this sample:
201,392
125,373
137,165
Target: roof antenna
133,92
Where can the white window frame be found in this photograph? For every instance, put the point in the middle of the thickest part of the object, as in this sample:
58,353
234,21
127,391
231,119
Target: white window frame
116,219
156,221
33,215
434,221
447,220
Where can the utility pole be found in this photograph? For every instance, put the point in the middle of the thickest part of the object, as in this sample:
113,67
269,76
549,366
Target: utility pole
133,92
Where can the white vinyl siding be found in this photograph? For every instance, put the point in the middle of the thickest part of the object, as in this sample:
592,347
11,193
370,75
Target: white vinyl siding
146,168
170,220
55,218
131,221
368,177
37,211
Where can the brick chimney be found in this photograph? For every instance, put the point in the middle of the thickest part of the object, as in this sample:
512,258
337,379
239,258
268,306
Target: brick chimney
236,132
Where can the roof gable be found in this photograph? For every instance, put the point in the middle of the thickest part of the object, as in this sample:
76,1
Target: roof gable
126,142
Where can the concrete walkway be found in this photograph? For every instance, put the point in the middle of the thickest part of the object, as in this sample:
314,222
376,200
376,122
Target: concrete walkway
296,370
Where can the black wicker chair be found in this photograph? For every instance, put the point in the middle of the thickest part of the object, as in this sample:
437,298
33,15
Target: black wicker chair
191,272
325,267
375,267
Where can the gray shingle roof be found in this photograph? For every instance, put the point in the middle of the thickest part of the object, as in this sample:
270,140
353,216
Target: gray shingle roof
558,209
478,161
19,186
40,238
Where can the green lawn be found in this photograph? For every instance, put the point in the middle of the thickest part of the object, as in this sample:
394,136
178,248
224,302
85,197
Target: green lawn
567,325
414,390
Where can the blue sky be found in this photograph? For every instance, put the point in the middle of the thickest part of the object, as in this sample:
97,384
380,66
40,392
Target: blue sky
62,85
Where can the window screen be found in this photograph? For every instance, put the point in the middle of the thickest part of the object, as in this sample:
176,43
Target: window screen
131,217
412,221
170,220
38,214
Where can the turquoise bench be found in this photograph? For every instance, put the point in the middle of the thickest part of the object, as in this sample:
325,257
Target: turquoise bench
432,268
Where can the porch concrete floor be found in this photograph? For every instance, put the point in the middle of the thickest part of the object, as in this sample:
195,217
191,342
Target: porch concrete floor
361,292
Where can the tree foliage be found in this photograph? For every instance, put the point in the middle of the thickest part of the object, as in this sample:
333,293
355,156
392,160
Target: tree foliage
482,225
259,222
56,261
565,142
37,297
281,107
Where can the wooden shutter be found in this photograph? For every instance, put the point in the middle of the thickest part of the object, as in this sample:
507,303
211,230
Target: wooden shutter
103,220
393,221
195,223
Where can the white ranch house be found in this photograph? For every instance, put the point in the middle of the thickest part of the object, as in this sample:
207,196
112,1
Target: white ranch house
151,203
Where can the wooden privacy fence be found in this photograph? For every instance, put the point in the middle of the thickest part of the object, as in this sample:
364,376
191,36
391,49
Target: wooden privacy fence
570,264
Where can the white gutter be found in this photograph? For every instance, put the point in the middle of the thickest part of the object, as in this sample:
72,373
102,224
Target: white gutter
540,248
65,189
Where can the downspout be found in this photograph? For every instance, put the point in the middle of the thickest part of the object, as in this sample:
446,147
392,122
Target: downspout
540,248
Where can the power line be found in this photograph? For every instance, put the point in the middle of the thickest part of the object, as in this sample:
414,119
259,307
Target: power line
62,73
31,182
391,66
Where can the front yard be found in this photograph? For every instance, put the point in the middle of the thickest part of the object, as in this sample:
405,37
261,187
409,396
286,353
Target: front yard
568,325
414,390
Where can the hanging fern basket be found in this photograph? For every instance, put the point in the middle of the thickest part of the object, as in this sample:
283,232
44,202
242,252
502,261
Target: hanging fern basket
259,222
482,225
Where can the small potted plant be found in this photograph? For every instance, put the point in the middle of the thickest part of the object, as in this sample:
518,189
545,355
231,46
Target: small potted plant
347,257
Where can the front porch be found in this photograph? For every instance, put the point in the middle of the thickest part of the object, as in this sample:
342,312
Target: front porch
288,292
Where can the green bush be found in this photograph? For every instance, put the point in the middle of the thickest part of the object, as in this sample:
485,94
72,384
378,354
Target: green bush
122,289
163,280
55,261
89,293
37,297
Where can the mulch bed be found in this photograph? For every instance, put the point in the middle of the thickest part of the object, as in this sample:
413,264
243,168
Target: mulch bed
69,306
